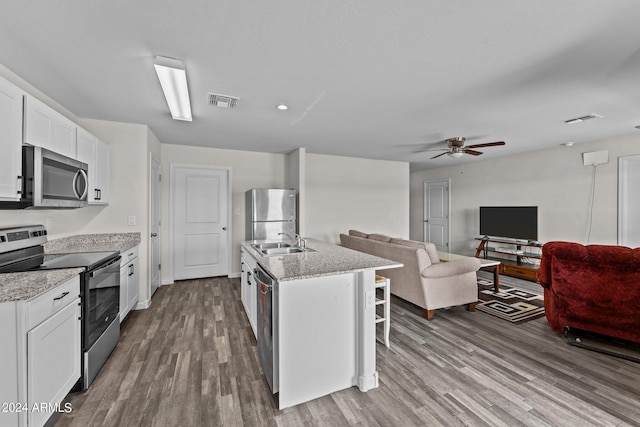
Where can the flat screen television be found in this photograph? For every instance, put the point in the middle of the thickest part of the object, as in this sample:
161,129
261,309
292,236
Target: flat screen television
513,222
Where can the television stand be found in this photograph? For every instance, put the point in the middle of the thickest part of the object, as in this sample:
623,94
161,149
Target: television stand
514,256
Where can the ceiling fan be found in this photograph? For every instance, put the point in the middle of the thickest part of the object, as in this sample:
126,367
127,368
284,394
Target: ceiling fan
456,148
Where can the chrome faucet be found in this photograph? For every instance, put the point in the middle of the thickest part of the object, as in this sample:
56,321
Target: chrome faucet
296,239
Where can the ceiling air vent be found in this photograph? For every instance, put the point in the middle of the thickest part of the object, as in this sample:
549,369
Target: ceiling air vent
222,101
583,118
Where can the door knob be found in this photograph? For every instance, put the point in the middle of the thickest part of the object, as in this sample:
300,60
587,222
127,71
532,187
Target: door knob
154,234
224,228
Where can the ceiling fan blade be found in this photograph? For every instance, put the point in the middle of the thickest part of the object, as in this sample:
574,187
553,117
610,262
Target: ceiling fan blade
435,157
432,149
488,144
472,152
427,147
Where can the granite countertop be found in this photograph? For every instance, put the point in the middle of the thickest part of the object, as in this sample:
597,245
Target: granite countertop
93,243
328,259
30,284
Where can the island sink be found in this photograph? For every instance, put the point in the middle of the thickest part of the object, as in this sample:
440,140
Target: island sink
285,249
260,246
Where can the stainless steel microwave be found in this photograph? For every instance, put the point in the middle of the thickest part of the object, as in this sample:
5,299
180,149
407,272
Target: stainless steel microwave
51,180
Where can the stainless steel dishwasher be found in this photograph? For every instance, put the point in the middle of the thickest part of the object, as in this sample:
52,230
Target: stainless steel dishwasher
266,326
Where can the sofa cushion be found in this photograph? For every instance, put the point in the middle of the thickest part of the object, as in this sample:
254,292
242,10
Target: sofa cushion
429,247
379,237
451,268
358,234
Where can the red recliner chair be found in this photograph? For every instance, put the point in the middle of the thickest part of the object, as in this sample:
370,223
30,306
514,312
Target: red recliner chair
595,288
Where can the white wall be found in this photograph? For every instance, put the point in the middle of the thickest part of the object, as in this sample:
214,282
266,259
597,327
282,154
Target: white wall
357,193
295,178
128,186
248,170
345,193
555,180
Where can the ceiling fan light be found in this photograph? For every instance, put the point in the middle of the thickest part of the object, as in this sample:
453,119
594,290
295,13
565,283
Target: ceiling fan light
456,154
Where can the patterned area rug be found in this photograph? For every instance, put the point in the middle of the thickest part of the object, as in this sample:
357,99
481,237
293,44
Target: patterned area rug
512,304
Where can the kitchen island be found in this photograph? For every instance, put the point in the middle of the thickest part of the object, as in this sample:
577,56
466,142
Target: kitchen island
321,319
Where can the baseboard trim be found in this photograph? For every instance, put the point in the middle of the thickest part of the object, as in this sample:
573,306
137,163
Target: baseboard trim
143,305
171,281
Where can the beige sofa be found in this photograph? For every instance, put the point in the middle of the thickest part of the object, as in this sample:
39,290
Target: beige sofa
424,280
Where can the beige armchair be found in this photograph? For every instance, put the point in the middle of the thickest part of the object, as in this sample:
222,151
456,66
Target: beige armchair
423,280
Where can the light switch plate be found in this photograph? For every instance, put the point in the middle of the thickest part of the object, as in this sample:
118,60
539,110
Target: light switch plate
131,220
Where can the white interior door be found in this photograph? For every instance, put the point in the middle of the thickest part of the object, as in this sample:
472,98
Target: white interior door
199,199
629,201
154,223
436,213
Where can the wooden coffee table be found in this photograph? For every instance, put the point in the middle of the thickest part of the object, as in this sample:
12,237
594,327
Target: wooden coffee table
485,264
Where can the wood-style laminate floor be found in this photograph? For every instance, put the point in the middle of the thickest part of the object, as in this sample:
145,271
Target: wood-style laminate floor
190,360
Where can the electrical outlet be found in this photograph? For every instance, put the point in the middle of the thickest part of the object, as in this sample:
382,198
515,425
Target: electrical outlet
131,220
370,299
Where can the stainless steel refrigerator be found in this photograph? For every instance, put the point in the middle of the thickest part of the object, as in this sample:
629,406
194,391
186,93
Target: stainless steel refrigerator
270,212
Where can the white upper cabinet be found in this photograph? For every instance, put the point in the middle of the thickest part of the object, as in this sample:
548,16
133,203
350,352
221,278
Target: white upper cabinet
102,160
10,141
95,153
44,127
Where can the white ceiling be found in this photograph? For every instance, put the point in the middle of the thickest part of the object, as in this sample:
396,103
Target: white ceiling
367,78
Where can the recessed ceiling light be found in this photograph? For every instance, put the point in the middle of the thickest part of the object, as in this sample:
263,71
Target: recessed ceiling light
282,107
568,144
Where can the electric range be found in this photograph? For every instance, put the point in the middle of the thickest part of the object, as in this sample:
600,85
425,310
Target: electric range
21,249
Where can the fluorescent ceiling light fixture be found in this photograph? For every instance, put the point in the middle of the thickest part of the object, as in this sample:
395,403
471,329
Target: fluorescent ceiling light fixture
282,107
173,79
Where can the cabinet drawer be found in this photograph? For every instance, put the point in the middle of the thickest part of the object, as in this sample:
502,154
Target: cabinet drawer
128,255
47,304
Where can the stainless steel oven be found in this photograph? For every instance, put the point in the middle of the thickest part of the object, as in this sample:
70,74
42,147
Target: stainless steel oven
21,249
100,294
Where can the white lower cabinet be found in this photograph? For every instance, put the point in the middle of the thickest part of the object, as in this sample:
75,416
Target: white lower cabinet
53,361
40,359
248,289
129,281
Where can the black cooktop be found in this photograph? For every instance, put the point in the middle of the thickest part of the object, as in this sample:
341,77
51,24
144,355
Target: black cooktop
86,260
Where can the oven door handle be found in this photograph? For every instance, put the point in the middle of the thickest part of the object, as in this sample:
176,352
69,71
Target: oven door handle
106,269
